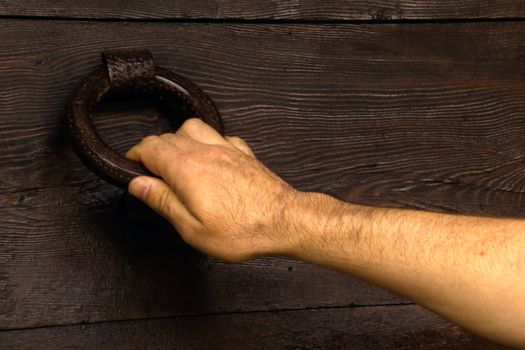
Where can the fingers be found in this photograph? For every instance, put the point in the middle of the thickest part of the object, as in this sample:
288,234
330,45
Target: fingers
157,154
196,130
241,145
188,144
161,198
163,154
200,131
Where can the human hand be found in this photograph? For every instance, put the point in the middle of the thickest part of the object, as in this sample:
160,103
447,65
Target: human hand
214,191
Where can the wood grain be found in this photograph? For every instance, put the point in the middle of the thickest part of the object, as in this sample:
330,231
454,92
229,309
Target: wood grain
424,116
267,9
405,327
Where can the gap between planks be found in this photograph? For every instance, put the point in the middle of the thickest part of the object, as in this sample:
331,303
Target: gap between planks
211,20
205,314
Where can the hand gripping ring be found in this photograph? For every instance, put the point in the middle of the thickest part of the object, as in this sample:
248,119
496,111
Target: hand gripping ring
131,73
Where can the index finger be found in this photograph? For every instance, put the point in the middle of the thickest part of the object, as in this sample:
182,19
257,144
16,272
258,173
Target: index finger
156,154
202,132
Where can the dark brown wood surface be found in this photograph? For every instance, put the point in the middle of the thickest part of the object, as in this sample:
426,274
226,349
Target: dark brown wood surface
268,9
417,115
398,327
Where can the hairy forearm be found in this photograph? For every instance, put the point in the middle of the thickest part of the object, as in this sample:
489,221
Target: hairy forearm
468,269
228,205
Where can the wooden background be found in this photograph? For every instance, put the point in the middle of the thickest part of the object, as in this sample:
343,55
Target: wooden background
390,103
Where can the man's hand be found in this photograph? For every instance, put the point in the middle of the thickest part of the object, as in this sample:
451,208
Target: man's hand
227,204
218,196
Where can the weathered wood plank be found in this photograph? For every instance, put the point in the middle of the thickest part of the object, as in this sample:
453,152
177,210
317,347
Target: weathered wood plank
267,9
406,327
422,115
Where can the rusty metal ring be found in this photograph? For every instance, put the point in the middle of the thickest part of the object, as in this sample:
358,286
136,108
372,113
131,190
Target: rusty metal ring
130,73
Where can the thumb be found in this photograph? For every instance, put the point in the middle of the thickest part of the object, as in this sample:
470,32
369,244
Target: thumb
160,197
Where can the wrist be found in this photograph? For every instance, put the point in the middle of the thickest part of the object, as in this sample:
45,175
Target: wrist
320,226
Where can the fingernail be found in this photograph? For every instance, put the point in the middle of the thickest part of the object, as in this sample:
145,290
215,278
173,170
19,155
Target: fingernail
139,187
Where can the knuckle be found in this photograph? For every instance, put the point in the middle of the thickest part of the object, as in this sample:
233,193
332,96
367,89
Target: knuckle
162,148
239,140
192,125
241,144
167,136
164,203
151,139
236,140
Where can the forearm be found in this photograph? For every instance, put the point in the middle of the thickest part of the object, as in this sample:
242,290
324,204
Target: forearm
228,205
468,269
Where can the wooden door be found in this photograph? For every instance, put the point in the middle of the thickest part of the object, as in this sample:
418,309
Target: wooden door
390,103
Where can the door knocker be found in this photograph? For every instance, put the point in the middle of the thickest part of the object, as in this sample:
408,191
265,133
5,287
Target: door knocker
130,73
